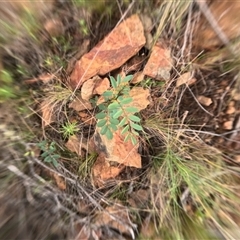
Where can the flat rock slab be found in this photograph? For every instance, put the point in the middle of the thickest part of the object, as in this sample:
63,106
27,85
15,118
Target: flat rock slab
159,64
112,52
116,150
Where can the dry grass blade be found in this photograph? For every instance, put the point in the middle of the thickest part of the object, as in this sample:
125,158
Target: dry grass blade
171,12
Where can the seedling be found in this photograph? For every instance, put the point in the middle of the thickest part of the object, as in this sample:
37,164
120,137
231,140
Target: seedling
69,129
116,113
49,155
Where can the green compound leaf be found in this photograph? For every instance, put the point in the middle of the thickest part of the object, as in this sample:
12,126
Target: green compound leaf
48,159
114,127
113,105
134,118
127,78
125,129
134,132
136,126
55,163
114,121
52,146
118,113
45,154
134,140
93,101
118,79
42,145
104,130
107,95
126,100
122,122
101,122
102,106
125,90
112,112
127,137
120,98
109,134
101,115
55,157
131,109
113,82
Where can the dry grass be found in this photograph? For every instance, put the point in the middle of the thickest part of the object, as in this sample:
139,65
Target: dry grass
190,182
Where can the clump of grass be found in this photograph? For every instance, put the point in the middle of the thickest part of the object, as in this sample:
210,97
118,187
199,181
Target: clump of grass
85,167
169,13
56,94
190,184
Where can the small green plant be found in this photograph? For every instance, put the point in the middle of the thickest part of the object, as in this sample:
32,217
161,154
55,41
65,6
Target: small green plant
49,152
150,83
22,70
116,112
54,60
83,27
6,89
85,167
69,129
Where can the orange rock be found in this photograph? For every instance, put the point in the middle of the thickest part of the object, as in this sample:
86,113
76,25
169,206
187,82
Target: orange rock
116,150
74,145
137,77
140,98
120,45
159,63
87,89
103,171
101,86
87,118
79,104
